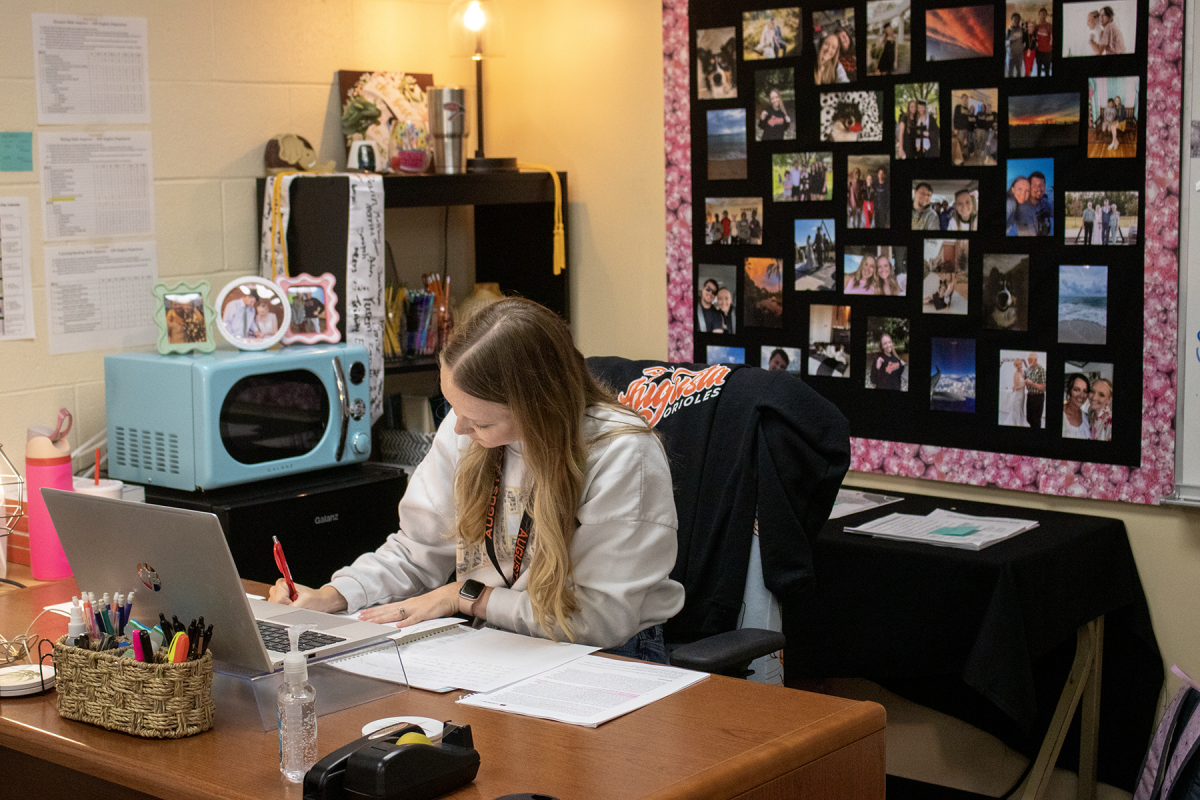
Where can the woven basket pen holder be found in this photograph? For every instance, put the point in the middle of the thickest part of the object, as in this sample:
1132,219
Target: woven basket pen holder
155,701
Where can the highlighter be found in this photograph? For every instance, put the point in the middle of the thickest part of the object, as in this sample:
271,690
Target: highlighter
179,649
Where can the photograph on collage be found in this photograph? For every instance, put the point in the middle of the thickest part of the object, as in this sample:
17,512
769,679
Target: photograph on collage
715,301
1006,291
733,220
887,353
868,192
1113,117
1029,40
762,288
1043,120
1105,28
952,374
918,133
851,117
829,341
774,105
815,255
782,359
1101,218
945,205
836,46
727,144
1082,304
974,126
801,176
722,354
716,64
1022,390
889,37
958,33
1087,400
875,269
773,33
1029,209
944,290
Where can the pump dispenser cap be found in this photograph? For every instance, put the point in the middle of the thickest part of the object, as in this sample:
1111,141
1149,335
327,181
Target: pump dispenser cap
76,627
295,665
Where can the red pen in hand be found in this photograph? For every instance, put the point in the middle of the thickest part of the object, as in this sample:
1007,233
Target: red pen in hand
281,562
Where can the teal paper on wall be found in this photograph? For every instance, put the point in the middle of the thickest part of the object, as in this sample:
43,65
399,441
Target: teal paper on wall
16,151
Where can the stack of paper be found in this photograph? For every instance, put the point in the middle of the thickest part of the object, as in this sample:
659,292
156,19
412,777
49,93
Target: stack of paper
946,529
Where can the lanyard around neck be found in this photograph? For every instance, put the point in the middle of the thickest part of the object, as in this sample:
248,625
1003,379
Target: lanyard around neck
489,526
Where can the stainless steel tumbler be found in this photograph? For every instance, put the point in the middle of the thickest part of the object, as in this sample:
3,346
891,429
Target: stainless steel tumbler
447,127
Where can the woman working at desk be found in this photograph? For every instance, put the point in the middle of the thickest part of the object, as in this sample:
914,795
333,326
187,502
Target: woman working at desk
535,443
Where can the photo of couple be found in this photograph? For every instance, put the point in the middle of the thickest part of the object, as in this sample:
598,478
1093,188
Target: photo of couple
868,192
835,45
185,318
1022,389
308,309
917,131
770,34
1087,401
801,176
1093,29
251,312
875,270
887,353
815,255
945,206
715,300
1101,218
1113,117
1030,203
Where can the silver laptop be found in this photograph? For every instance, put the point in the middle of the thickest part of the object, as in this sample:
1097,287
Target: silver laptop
178,563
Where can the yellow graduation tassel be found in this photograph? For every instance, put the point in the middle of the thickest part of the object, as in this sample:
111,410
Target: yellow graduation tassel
560,246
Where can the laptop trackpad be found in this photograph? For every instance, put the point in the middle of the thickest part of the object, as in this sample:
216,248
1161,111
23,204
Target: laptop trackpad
324,622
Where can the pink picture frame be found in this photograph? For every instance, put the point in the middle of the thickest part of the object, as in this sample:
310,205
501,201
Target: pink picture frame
313,304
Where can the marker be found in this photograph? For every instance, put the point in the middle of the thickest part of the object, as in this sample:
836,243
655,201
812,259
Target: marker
138,653
142,639
281,562
128,606
179,648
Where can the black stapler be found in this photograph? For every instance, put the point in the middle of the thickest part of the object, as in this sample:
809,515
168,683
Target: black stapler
376,767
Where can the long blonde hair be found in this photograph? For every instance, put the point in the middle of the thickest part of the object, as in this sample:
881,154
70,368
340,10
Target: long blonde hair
519,354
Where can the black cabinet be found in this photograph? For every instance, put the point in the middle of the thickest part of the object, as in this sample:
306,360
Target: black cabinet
514,224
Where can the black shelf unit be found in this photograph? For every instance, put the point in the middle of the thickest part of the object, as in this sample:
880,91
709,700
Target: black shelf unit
514,227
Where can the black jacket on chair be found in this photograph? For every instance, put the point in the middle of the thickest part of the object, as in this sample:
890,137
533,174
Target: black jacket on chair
739,440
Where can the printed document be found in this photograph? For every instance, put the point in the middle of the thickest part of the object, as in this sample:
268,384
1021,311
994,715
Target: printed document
16,279
464,658
945,529
96,184
91,70
851,502
100,297
589,691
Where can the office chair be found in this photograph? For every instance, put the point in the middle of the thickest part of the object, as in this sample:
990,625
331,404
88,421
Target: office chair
756,459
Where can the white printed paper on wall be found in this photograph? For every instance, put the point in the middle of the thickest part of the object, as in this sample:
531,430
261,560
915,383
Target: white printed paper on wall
16,280
100,297
96,184
91,70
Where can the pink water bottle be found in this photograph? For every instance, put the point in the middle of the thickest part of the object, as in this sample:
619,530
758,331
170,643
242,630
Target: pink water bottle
47,464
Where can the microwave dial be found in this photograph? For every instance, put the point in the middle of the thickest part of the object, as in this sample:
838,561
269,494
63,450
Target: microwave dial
358,371
357,409
361,443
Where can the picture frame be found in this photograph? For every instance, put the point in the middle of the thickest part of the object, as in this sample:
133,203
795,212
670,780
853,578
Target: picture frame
176,309
312,302
241,328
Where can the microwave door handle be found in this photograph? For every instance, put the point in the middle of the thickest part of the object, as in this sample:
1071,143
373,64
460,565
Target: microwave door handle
343,396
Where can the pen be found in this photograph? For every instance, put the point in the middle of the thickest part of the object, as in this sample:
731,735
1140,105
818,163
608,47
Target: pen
281,562
206,639
166,627
128,606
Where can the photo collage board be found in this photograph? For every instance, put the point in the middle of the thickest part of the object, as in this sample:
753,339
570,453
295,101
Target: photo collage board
934,214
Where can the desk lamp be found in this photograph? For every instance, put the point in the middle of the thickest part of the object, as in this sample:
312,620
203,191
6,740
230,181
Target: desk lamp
477,29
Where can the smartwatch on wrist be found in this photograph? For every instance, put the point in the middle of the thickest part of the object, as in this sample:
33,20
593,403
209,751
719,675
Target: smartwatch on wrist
471,590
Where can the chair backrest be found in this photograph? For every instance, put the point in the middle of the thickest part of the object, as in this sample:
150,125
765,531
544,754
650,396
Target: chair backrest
741,441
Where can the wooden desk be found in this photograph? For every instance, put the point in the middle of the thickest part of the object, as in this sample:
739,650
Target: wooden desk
721,738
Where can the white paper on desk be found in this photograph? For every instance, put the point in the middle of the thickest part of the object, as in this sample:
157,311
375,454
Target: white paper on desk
16,276
463,658
589,691
945,529
96,184
100,296
91,70
850,502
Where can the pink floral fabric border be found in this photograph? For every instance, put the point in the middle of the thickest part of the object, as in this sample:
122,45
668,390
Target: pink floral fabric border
1149,482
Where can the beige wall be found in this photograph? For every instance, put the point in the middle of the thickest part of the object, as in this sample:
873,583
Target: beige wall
580,89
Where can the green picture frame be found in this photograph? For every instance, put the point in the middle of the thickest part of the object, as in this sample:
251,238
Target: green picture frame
181,331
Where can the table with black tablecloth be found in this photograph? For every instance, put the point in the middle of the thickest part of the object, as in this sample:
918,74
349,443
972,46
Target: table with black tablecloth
987,636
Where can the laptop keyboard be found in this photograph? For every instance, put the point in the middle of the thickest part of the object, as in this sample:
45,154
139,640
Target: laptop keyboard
275,637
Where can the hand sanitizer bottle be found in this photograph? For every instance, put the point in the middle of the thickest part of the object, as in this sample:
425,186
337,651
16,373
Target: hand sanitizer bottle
297,713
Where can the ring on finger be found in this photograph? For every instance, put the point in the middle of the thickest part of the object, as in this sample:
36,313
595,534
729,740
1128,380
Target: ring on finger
403,613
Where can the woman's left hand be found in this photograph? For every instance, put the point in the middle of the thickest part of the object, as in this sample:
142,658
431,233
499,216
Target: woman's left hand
441,602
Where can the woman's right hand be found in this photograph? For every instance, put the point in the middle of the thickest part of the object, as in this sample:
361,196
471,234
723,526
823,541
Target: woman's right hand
327,598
